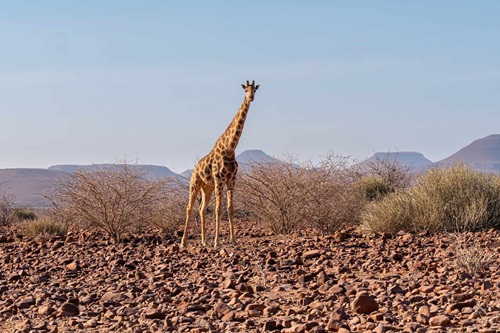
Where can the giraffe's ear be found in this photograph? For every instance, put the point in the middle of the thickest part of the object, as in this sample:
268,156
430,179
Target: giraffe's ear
257,86
243,86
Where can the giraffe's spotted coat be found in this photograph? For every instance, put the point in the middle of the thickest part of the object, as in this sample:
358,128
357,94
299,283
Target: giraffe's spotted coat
217,171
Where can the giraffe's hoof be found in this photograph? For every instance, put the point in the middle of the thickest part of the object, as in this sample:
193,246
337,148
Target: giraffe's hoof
216,243
203,244
183,244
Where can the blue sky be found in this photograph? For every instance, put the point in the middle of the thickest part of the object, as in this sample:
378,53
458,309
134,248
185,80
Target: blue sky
89,81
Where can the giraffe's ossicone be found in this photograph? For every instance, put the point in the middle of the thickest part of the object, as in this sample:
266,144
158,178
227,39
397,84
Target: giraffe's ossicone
217,171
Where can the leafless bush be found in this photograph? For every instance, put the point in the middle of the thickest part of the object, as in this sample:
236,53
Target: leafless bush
172,211
287,196
114,199
7,207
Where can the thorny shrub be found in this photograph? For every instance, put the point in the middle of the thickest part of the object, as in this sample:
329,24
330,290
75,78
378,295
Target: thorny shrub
7,207
116,199
286,196
172,210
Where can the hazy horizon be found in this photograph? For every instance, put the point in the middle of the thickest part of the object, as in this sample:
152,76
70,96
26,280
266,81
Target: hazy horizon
90,82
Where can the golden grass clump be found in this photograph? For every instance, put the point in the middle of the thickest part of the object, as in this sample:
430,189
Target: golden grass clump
43,227
447,199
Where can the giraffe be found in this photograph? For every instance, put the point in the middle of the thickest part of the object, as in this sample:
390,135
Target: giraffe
218,170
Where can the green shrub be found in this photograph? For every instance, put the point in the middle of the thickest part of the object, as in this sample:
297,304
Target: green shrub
43,227
454,199
24,215
373,187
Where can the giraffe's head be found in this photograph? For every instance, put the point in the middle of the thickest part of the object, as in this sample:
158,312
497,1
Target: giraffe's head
250,90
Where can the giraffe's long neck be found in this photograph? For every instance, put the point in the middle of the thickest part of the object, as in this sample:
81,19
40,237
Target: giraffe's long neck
230,138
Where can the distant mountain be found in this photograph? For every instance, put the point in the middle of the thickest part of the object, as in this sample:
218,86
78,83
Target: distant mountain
253,156
27,185
413,160
482,155
151,171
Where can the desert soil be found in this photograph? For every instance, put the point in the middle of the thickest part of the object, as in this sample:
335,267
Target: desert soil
346,282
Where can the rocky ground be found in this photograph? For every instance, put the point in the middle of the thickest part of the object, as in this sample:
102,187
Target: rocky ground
347,282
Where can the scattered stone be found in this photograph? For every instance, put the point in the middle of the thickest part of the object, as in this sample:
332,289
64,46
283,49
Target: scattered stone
311,254
364,304
73,266
302,283
69,308
112,297
26,302
442,321
153,314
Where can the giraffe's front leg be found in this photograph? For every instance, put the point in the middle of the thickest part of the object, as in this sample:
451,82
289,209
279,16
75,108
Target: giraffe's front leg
193,193
206,194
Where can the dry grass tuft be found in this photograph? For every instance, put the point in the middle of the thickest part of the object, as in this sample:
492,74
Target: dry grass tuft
44,228
450,200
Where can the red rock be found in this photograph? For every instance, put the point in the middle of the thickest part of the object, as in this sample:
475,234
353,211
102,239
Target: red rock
424,310
337,289
112,297
269,326
72,266
71,308
45,310
311,254
26,302
229,316
364,304
153,314
459,306
442,321
396,290
222,308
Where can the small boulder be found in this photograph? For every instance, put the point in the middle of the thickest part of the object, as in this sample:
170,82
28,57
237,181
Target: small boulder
364,304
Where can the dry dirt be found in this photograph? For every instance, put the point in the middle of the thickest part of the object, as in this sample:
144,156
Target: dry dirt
347,282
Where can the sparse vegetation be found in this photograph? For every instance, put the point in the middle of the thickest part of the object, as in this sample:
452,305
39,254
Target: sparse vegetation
472,258
7,207
44,227
287,197
454,199
114,199
378,177
172,211
373,187
24,214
